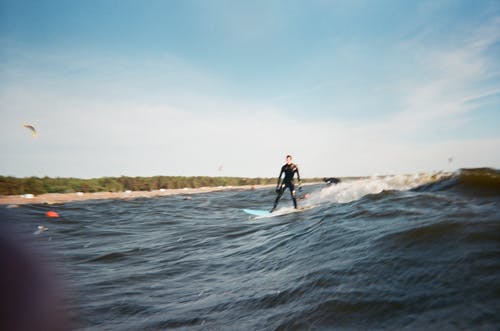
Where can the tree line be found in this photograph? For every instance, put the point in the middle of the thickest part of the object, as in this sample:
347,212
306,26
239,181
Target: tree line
36,185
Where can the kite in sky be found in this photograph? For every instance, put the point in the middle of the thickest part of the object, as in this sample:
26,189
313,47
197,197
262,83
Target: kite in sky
31,128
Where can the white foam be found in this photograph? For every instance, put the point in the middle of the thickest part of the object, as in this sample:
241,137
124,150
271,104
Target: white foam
351,190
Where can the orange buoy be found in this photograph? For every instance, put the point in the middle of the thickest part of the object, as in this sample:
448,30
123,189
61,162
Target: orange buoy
51,213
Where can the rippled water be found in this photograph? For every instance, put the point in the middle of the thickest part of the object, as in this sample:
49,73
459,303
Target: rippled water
402,252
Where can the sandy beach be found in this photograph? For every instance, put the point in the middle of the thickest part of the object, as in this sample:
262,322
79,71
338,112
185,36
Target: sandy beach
52,198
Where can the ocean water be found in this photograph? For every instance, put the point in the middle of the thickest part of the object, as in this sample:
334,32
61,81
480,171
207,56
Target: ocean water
383,253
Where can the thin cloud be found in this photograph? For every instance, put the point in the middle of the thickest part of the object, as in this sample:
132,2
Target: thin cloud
455,77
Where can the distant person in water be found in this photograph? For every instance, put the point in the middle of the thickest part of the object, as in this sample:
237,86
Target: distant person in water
289,170
331,180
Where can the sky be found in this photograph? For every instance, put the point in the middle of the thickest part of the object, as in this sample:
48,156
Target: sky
229,88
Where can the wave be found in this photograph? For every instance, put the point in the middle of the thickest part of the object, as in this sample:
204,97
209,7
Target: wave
477,182
352,190
117,256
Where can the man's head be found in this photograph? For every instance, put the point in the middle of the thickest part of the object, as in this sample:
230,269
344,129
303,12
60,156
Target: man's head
288,159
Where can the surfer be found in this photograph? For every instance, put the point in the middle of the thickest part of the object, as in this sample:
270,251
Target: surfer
289,169
331,180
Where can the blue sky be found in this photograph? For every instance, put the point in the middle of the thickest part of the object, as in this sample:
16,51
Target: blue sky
144,88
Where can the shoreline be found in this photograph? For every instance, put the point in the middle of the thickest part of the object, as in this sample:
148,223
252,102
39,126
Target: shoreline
53,198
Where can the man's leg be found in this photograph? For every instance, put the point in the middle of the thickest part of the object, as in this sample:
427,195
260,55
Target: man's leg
292,193
280,193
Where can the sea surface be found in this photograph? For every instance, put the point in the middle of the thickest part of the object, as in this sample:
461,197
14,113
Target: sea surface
414,252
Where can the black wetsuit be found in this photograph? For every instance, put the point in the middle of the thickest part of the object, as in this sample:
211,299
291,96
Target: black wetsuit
289,170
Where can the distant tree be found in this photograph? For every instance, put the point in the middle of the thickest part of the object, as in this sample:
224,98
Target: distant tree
35,185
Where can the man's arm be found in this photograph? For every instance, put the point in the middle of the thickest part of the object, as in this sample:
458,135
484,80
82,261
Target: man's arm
279,177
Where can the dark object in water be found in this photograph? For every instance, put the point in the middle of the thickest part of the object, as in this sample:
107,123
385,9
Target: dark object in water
331,180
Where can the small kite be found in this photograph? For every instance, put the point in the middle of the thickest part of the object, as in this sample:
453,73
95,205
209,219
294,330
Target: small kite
31,128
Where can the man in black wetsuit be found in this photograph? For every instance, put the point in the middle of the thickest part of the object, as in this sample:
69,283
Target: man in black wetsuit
289,169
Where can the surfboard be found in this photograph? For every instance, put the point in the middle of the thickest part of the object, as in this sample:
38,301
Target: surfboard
257,212
284,211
